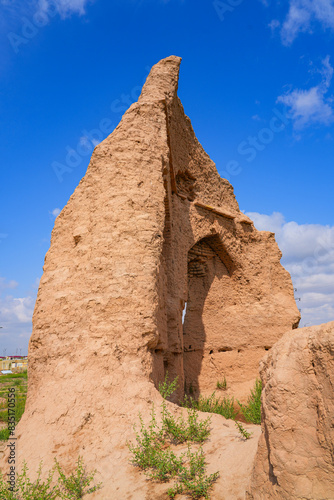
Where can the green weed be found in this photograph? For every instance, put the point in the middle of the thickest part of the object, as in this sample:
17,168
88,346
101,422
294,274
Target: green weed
242,430
153,454
192,479
212,404
178,430
72,487
77,484
167,388
222,384
252,411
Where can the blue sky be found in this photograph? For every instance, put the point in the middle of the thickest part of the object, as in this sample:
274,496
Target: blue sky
256,80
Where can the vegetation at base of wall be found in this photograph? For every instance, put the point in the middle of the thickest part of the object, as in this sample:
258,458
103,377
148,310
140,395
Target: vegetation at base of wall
221,384
153,453
72,487
167,388
252,411
18,381
180,430
78,483
212,404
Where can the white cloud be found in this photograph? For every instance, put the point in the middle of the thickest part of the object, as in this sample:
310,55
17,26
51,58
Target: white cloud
64,7
308,254
311,106
42,10
274,25
303,14
87,142
15,316
55,212
4,284
16,309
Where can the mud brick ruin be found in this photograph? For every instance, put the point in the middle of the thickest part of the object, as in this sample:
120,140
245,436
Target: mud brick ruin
152,269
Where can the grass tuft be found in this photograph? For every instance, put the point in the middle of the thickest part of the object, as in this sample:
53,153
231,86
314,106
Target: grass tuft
252,411
222,384
212,404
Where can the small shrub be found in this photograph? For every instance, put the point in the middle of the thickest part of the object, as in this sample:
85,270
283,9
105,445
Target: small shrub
165,465
197,431
77,484
166,388
152,451
150,441
72,487
222,384
242,430
252,411
178,430
151,455
192,480
24,489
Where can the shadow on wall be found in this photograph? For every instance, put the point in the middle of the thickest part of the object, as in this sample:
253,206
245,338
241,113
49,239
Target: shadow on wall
207,262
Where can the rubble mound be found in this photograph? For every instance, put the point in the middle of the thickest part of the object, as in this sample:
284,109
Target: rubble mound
296,450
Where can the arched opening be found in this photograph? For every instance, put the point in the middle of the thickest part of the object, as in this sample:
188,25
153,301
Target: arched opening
209,271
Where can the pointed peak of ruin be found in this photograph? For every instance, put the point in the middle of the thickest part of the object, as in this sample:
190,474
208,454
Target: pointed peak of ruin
162,80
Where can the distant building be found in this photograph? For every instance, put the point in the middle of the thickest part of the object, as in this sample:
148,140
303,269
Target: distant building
15,364
19,365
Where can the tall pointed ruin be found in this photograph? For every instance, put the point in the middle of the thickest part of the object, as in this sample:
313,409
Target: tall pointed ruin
152,269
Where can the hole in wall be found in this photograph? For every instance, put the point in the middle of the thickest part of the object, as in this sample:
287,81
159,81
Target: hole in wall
184,312
225,349
76,238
